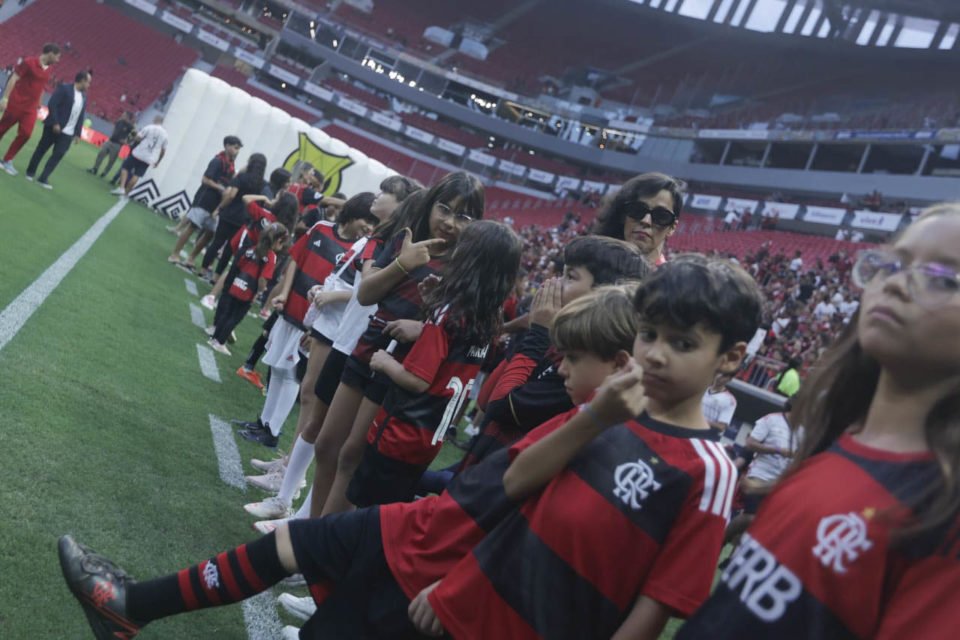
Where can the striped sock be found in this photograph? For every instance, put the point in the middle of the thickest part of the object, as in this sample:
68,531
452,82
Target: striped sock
229,577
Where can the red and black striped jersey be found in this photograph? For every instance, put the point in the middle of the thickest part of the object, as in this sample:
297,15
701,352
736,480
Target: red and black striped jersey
315,253
819,560
424,540
641,510
249,234
247,269
406,425
403,302
528,392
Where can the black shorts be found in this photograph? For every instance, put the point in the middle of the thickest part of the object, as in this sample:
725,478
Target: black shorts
329,378
316,335
270,321
383,480
751,502
346,549
134,166
359,375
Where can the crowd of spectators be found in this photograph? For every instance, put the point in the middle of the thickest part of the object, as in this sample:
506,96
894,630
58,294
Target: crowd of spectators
807,303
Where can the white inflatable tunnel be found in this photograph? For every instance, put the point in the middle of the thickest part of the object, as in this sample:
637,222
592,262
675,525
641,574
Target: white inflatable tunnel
206,109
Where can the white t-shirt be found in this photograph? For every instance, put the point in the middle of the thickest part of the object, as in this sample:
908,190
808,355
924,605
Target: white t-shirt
71,126
824,310
849,308
719,407
731,217
772,430
796,264
154,139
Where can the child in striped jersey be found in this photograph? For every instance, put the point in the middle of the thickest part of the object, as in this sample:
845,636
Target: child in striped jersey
420,250
861,537
463,317
247,278
623,506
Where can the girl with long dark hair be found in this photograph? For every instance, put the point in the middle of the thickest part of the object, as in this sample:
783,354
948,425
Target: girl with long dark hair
421,249
463,316
860,538
245,280
231,213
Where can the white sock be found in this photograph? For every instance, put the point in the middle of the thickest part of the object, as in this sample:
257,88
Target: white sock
297,464
304,511
281,396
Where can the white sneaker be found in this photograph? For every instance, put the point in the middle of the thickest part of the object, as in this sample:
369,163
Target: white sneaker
301,608
9,168
296,580
268,466
269,526
220,348
271,482
270,509
45,185
209,302
118,192
289,633
28,178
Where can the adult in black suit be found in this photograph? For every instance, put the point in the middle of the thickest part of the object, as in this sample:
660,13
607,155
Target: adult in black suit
63,125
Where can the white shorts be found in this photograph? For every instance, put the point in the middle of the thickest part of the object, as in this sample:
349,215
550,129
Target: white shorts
283,345
202,219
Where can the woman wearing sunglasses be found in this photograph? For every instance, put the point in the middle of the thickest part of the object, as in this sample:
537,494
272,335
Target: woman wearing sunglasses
645,212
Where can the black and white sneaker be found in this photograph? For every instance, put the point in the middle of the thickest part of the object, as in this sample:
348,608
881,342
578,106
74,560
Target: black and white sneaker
264,437
256,425
100,587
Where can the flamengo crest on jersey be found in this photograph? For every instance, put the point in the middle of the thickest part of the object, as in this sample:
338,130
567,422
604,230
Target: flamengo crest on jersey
634,481
840,539
211,577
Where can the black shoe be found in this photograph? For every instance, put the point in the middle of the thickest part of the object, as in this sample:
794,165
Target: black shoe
91,172
101,588
263,437
251,426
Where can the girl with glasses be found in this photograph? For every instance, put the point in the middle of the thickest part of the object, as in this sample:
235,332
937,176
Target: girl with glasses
861,539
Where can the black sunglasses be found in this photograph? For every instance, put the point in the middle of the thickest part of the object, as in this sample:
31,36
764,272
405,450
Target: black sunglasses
660,216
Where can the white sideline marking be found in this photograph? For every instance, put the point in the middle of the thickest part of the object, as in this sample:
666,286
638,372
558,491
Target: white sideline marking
260,614
191,286
208,364
16,314
228,456
196,315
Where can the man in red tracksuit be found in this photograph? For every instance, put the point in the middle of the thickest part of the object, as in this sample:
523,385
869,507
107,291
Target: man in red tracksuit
21,97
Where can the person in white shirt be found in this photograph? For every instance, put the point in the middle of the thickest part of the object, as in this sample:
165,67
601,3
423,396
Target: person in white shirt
774,443
718,404
849,308
150,147
824,309
62,127
731,220
797,263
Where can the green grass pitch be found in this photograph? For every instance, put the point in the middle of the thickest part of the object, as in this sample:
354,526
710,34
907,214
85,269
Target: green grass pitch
103,409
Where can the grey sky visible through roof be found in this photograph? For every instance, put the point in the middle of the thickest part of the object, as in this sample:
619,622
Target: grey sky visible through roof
925,24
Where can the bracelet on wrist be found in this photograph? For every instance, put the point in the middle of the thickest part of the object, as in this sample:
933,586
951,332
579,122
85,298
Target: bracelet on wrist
400,266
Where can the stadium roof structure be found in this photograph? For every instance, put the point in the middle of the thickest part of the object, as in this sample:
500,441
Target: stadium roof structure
907,24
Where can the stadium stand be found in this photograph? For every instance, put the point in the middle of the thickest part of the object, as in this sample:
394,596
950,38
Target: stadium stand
132,64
